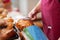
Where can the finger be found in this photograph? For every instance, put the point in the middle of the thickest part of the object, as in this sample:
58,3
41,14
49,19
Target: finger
34,18
30,15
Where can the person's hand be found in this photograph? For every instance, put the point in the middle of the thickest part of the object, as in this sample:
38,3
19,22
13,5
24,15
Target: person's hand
32,15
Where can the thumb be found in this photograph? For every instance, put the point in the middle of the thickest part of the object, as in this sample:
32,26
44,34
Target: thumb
33,18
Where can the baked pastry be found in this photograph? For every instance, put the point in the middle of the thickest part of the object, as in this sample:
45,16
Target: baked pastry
23,23
7,34
38,23
6,23
3,13
9,23
8,31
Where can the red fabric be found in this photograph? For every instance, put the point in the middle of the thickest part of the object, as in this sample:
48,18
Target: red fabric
51,17
5,1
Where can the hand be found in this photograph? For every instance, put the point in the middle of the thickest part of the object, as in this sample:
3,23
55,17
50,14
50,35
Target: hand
32,15
35,10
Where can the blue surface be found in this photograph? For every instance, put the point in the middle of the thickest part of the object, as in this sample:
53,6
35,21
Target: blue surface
36,33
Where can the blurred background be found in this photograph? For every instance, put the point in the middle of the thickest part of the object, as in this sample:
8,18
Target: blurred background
24,6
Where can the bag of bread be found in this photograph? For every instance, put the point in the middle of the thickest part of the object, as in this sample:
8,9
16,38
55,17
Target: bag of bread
33,33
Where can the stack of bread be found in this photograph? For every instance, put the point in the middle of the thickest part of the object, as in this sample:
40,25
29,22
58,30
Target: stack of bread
25,27
23,23
3,13
6,25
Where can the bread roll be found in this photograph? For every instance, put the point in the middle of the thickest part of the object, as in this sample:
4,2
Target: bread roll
6,23
39,24
3,13
23,23
7,32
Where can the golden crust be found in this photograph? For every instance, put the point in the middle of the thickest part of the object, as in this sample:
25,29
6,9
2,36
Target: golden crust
22,23
6,34
3,13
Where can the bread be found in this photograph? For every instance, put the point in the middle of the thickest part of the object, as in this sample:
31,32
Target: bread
9,23
38,23
3,13
6,23
23,23
7,32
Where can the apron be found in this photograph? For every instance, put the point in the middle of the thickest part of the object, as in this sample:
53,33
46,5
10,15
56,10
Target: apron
51,18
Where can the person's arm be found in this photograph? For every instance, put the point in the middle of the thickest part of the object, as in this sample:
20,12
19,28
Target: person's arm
35,10
37,7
